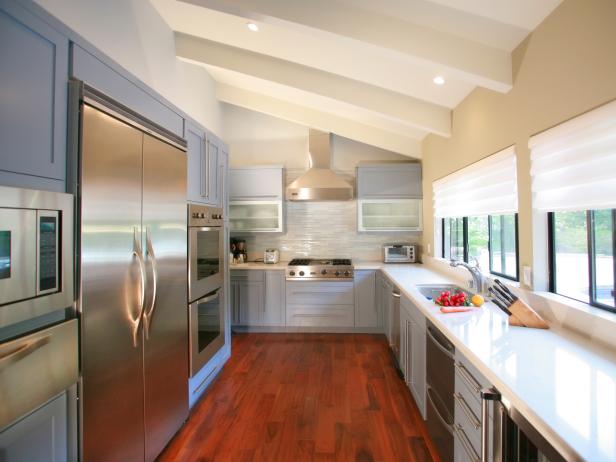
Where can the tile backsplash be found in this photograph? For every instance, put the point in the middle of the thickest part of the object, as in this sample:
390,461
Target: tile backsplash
323,229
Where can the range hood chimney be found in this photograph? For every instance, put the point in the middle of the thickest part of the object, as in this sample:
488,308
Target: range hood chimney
319,183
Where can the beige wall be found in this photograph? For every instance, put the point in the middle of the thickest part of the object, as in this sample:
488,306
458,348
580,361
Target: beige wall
566,67
255,138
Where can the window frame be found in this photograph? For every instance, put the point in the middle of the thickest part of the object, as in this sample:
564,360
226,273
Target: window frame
465,244
591,254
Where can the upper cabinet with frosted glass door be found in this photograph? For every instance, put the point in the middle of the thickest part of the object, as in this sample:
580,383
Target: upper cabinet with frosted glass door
389,197
256,199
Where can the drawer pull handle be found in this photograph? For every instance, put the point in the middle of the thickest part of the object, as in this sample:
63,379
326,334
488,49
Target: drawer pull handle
466,444
468,378
23,351
468,411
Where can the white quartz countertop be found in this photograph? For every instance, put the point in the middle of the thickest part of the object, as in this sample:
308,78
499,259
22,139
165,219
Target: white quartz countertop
565,388
259,265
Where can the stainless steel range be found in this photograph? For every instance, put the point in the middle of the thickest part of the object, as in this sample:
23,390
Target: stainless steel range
324,269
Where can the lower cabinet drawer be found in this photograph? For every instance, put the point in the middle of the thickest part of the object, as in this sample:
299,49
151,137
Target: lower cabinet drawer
463,448
320,293
321,315
467,421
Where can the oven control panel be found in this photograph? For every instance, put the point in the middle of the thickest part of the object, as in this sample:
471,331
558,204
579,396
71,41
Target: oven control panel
203,215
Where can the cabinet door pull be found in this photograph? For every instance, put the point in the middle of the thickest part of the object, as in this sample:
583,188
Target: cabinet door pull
467,410
466,444
468,378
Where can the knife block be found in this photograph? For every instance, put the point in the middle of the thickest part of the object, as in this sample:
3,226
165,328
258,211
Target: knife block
523,315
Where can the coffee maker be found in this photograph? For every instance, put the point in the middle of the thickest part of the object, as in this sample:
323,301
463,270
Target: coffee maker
238,250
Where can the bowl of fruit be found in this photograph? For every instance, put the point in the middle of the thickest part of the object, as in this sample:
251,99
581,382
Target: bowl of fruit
457,302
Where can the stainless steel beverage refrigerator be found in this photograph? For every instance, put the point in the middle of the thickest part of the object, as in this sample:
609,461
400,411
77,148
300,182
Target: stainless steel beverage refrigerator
129,176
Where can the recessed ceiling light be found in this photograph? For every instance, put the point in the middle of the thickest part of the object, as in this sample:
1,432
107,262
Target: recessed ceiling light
253,27
439,80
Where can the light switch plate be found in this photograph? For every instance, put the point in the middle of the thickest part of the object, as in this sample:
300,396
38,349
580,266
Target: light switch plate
527,276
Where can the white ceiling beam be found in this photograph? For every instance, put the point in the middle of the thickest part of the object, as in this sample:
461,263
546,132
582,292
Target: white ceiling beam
459,58
416,113
320,120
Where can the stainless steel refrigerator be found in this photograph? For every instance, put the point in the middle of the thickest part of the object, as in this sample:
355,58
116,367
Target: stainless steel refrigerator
131,184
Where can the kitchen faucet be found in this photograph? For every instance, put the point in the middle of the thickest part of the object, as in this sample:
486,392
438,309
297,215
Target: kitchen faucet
477,282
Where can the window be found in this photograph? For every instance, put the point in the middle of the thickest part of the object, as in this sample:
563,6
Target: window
489,239
573,166
582,266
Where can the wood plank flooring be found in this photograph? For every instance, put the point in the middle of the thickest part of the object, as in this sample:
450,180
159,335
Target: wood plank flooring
305,397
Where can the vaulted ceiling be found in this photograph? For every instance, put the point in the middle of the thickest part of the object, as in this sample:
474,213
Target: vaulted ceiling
363,69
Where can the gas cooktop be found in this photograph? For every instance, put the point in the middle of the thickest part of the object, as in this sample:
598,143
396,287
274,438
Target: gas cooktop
325,269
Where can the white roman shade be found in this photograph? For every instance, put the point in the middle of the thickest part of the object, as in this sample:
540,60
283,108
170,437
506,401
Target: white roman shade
487,187
573,165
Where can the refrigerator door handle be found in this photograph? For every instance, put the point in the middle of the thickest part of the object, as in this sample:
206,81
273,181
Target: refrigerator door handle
137,253
149,314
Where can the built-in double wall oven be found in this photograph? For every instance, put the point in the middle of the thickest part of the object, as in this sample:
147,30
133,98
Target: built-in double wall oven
205,284
38,329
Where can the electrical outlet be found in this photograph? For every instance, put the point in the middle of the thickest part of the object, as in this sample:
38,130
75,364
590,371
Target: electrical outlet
527,276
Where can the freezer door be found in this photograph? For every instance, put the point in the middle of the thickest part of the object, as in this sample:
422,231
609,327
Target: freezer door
166,317
111,289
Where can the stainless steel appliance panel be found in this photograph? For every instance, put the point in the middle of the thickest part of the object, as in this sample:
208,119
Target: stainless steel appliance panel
36,256
439,427
440,381
17,255
112,289
47,246
207,329
165,321
206,260
35,368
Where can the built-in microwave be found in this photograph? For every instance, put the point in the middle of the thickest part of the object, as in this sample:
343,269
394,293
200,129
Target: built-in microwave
36,253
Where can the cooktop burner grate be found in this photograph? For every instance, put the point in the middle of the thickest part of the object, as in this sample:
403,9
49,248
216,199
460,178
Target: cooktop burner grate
320,262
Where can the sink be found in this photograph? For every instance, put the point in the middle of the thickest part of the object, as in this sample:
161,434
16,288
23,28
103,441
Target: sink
432,291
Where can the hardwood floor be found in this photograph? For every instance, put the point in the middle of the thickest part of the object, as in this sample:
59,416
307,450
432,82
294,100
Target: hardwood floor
305,397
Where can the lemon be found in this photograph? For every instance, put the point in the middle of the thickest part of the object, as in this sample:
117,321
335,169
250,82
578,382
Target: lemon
477,300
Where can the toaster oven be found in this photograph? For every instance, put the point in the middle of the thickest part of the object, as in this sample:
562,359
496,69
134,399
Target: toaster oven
399,253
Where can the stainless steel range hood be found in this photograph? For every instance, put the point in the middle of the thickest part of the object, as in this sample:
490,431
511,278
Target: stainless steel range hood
319,183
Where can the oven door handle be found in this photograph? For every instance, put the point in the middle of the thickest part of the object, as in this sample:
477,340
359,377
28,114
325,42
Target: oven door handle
438,344
149,314
23,351
209,298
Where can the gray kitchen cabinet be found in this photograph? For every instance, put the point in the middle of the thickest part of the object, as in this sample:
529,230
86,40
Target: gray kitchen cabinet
100,75
223,165
256,183
368,312
247,296
205,159
212,186
256,199
386,303
41,436
258,298
33,100
197,154
467,411
320,304
250,302
413,345
389,181
397,215
275,299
